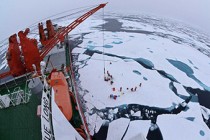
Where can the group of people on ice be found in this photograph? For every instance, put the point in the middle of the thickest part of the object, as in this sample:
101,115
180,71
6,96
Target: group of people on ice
109,78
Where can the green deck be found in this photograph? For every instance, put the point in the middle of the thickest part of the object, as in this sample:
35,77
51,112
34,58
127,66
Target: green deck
20,122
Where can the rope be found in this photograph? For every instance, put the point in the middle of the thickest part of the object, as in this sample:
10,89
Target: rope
87,7
103,41
34,25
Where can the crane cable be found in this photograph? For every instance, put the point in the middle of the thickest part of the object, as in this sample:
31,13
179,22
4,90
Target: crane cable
103,41
85,8
81,11
34,25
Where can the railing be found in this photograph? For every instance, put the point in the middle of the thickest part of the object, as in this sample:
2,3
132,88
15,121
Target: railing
76,93
17,93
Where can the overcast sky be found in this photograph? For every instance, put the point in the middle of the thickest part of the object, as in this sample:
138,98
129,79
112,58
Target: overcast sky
19,14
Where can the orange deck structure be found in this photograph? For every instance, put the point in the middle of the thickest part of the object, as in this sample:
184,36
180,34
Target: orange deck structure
28,54
62,97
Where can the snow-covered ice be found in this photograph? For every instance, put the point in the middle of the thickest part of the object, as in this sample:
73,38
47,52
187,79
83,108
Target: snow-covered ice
173,127
164,56
170,63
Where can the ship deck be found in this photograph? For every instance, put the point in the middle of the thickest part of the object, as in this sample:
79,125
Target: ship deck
21,122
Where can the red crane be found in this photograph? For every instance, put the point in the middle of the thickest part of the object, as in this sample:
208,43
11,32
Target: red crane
22,56
61,35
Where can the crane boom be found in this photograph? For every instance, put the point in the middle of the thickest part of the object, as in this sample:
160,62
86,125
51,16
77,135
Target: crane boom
60,35
19,55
